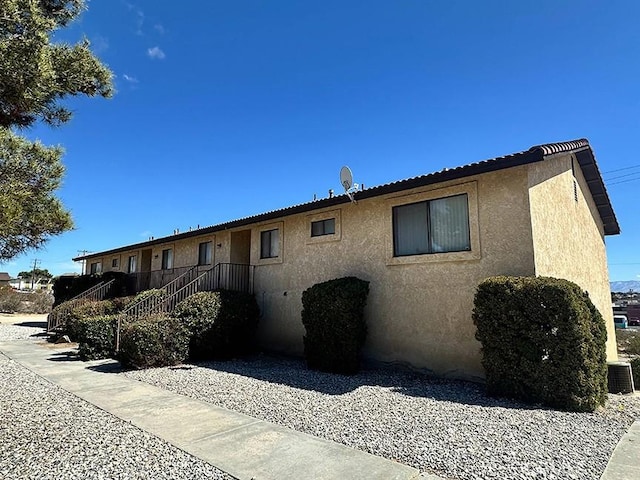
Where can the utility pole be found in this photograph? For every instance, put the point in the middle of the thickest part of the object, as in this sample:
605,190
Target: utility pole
83,253
33,271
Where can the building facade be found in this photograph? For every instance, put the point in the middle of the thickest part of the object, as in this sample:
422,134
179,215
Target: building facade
424,244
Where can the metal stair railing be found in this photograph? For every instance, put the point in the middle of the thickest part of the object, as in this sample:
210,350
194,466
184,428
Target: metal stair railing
230,276
146,305
95,293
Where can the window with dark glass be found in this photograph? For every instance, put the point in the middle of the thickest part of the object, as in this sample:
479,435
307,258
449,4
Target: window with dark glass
323,227
95,267
204,253
167,259
270,243
434,226
114,263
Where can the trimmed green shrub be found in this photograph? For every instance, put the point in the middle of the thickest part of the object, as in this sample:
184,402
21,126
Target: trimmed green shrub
333,316
154,292
120,303
96,337
153,342
222,324
543,341
84,310
635,369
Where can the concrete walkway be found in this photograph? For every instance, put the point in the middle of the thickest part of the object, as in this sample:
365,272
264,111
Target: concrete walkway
242,446
624,464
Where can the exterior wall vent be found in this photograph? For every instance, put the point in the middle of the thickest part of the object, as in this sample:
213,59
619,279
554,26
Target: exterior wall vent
619,377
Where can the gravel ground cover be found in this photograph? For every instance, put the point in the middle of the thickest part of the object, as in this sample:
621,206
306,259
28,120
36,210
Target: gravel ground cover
438,426
10,332
48,433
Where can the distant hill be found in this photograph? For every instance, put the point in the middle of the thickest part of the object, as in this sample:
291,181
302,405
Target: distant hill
625,286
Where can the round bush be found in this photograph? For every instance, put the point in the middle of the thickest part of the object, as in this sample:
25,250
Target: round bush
153,342
96,337
83,309
333,316
543,341
222,324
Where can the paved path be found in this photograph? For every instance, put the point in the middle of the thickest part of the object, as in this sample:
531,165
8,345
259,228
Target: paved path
242,446
624,464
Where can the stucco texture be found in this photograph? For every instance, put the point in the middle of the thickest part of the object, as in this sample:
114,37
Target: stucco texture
523,221
568,234
419,307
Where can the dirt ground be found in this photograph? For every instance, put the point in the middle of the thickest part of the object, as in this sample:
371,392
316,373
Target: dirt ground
23,318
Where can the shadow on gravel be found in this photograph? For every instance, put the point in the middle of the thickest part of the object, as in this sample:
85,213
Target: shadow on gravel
294,373
32,324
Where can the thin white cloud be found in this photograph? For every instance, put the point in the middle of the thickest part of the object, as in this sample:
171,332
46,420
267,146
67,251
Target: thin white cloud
99,44
159,28
129,78
156,53
139,14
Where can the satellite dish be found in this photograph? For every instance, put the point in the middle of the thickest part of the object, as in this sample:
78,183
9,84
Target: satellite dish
346,178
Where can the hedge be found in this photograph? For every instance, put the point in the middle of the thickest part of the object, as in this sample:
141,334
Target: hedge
543,341
222,324
333,316
96,337
151,293
153,342
83,310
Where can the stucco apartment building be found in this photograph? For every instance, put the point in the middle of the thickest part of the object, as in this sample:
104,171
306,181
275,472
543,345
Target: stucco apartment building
423,243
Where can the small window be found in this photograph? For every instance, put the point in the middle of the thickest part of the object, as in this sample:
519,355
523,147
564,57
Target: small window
270,244
131,265
114,263
434,226
323,227
167,259
204,253
96,267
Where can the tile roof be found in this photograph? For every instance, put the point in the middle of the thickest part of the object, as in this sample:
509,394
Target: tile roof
538,153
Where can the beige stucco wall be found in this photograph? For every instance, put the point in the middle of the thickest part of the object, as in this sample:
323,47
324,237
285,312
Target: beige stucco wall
568,235
523,221
419,308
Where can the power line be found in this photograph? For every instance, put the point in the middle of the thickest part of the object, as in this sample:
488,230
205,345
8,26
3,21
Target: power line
623,181
623,176
621,169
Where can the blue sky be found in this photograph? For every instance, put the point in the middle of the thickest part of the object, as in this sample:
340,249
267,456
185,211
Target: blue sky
230,108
